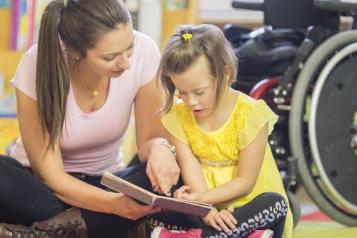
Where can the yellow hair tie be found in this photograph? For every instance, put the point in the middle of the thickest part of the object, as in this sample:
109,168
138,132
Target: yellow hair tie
187,36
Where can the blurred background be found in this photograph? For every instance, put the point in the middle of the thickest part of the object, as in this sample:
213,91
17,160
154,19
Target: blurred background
19,23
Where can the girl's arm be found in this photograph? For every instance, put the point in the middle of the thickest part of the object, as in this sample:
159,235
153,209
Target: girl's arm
192,175
162,168
249,165
191,170
48,165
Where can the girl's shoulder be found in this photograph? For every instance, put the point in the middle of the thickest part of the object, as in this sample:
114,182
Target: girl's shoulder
247,104
179,108
250,109
245,99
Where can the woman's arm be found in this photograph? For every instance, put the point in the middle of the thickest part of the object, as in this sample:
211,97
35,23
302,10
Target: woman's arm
162,168
249,165
48,165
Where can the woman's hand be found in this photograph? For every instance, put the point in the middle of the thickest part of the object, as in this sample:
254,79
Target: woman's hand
182,193
126,207
162,169
220,220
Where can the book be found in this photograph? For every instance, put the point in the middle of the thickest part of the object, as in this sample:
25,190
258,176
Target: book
189,207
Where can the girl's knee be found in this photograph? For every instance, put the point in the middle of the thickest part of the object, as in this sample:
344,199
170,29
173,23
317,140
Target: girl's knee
277,203
273,197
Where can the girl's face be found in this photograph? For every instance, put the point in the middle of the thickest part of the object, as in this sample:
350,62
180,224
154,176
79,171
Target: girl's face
197,87
110,55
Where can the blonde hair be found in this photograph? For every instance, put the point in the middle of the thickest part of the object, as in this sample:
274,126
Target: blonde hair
180,53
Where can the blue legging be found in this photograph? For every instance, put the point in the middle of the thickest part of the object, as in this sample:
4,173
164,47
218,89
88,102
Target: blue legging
266,211
24,199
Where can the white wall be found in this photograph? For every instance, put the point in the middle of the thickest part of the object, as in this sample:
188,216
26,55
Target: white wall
222,11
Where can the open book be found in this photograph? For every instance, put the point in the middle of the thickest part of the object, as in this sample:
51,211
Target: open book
120,185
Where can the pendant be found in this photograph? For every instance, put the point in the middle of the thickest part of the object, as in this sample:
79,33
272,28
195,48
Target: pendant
95,93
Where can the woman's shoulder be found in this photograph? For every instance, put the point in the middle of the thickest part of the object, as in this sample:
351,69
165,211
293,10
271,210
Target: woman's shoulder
31,52
144,41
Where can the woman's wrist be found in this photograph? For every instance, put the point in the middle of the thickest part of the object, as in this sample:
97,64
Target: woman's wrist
148,147
163,142
111,206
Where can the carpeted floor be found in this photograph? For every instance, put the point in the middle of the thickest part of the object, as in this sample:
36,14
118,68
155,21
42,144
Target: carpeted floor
315,224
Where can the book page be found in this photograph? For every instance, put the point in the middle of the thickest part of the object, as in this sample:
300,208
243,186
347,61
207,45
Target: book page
120,185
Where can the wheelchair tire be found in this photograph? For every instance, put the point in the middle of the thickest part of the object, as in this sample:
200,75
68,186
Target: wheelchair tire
295,207
312,180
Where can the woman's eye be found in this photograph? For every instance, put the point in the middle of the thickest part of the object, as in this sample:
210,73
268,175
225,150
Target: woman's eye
109,58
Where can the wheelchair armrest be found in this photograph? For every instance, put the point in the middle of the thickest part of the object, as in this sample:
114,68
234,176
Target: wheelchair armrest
257,5
294,36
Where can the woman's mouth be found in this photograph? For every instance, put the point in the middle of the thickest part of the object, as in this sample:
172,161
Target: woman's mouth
118,73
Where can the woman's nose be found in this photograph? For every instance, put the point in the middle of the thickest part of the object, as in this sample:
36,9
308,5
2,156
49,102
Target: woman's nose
123,61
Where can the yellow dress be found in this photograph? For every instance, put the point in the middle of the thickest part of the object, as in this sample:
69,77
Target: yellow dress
214,148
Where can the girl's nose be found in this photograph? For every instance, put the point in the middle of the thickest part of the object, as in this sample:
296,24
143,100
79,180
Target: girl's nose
192,101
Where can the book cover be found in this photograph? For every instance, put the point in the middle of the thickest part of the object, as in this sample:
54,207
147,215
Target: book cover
120,185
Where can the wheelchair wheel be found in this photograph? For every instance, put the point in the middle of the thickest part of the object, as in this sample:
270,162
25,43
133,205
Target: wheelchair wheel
295,207
323,111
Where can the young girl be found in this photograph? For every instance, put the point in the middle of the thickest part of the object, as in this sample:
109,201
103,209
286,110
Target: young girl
221,138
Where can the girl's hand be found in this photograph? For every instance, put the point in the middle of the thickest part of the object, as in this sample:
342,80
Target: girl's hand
182,193
220,220
128,208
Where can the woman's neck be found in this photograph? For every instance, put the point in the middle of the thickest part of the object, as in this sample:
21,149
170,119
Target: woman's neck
86,83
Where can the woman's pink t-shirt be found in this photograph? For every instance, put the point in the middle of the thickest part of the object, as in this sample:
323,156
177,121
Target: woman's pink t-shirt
90,142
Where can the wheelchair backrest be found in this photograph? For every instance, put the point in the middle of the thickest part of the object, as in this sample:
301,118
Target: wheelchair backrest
298,14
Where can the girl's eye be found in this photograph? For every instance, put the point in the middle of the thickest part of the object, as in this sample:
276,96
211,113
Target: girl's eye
199,93
182,93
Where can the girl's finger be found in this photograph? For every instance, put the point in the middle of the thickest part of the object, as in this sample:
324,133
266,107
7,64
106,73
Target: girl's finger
230,209
183,188
213,223
230,217
221,222
229,223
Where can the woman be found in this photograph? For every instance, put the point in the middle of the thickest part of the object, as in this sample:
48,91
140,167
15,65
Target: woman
75,90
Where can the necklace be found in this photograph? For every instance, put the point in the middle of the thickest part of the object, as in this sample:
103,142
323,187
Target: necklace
95,93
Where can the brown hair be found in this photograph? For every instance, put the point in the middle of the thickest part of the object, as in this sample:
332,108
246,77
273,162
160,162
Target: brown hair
78,24
180,53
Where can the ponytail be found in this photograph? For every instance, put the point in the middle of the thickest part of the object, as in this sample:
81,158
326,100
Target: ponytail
52,77
79,24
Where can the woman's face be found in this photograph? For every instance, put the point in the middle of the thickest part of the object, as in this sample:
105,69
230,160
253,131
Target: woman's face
197,87
110,55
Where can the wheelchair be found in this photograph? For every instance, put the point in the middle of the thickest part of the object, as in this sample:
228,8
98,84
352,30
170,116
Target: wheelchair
310,81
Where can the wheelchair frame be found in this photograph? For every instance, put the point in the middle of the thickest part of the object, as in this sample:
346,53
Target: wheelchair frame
305,79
